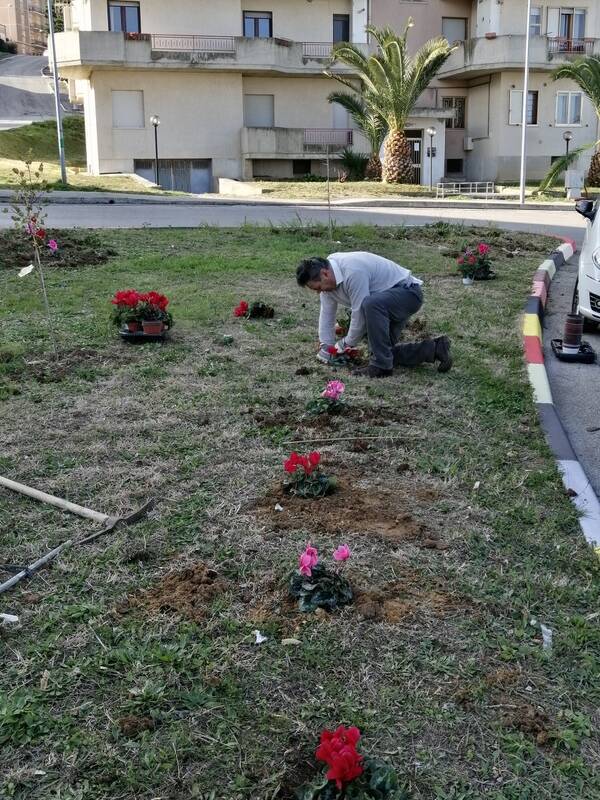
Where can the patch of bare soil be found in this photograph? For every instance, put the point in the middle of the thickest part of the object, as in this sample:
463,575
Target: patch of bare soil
187,593
404,598
50,370
502,677
529,720
351,510
131,726
298,419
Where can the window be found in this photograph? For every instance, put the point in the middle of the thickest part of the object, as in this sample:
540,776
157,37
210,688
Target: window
124,17
535,21
259,110
458,104
258,24
515,107
568,108
572,23
454,29
341,28
301,166
454,166
128,109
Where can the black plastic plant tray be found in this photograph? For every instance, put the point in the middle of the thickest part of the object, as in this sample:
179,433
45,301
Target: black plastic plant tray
138,337
586,354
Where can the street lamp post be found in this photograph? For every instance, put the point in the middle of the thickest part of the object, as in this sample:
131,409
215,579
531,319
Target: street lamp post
567,136
523,174
155,120
431,132
57,108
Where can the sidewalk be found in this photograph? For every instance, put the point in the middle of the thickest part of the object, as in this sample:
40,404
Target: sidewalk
118,198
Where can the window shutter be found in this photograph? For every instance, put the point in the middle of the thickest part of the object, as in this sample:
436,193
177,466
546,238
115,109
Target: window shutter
515,107
552,24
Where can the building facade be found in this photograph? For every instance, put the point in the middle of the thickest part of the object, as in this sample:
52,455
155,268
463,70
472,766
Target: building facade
24,23
240,92
483,80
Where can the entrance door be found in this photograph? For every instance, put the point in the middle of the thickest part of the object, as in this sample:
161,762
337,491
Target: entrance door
416,152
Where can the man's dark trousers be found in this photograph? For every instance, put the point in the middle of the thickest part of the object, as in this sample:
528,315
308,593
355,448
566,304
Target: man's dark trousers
386,314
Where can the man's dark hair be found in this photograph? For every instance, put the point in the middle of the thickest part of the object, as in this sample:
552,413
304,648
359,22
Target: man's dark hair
310,269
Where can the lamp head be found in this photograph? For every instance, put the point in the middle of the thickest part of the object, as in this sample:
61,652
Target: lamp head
431,131
567,136
155,120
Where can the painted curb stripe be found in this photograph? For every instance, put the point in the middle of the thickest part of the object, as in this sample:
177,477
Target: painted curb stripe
555,433
586,501
558,257
542,276
531,326
534,306
547,266
540,290
533,350
539,381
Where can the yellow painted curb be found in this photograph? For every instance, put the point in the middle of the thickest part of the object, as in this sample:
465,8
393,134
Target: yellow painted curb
531,326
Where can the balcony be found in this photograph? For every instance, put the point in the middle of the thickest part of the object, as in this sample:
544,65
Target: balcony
79,52
294,142
574,47
477,57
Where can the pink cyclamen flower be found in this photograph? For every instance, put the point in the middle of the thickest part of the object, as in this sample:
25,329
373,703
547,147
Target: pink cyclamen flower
334,390
483,249
342,553
52,244
305,565
308,560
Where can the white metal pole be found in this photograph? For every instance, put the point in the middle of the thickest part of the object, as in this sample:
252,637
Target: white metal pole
59,126
524,114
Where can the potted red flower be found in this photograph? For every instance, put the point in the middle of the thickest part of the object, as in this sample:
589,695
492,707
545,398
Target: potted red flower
125,313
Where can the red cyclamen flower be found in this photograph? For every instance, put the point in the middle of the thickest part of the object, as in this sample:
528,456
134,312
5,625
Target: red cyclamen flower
338,750
241,310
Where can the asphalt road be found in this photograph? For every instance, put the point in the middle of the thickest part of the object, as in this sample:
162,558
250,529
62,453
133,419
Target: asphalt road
563,223
25,95
575,387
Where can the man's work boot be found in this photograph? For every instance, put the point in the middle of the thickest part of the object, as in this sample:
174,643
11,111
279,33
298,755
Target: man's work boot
372,372
442,353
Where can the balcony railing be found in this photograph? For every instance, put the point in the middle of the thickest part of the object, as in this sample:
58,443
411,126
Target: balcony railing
560,45
317,49
319,139
193,44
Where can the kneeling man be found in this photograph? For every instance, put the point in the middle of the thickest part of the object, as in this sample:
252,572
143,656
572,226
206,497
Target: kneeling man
382,296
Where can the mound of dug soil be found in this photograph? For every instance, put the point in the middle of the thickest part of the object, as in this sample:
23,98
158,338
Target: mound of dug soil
187,593
351,510
297,419
404,598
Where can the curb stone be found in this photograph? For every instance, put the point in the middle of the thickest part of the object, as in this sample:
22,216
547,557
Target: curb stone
572,473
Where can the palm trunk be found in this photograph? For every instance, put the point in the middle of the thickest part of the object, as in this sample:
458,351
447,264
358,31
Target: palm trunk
373,170
397,159
593,177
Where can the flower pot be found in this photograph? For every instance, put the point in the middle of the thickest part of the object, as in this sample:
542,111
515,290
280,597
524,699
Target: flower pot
133,327
468,281
152,327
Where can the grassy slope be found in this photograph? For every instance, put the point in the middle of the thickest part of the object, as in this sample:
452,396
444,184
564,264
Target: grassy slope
465,703
38,142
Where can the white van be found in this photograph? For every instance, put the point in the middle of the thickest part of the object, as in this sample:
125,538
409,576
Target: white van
586,297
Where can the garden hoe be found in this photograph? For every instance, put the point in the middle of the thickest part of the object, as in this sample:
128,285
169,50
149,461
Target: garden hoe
110,523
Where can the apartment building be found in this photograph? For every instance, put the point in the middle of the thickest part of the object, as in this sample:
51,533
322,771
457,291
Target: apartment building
24,22
240,91
238,86
483,80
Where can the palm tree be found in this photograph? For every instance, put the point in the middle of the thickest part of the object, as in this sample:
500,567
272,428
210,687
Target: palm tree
391,83
373,126
585,72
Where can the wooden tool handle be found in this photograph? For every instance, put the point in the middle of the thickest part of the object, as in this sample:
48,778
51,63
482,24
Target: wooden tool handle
53,501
